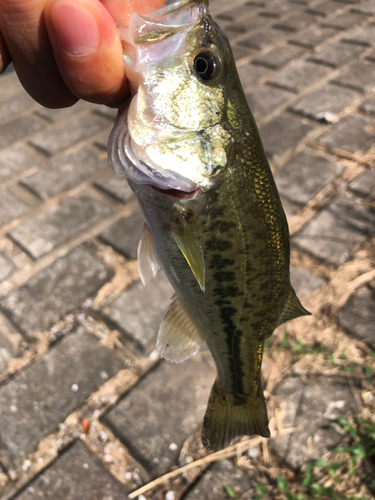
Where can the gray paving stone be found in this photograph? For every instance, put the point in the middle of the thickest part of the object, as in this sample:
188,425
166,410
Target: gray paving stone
282,133
15,160
243,10
11,207
63,174
224,473
345,20
324,103
20,103
264,99
7,349
298,76
364,184
261,39
116,186
277,9
18,128
6,267
311,407
77,474
367,7
359,76
68,133
163,410
46,230
124,235
353,134
337,54
362,35
139,311
357,317
49,389
10,86
312,37
56,115
368,106
101,140
278,57
239,52
337,231
325,8
55,291
241,26
296,22
304,176
303,281
250,74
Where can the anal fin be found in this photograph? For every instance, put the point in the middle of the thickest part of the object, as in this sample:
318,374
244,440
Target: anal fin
148,264
293,308
189,245
178,337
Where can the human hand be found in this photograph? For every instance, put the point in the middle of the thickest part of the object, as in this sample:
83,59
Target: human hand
65,50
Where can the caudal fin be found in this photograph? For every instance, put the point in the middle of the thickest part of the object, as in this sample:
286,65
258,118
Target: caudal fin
227,418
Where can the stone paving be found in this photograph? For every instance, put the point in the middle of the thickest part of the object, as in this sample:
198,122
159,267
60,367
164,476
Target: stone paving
87,409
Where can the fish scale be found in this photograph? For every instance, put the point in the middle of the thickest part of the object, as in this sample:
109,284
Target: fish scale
191,150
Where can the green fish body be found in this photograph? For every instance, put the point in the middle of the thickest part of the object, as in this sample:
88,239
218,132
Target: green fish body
214,222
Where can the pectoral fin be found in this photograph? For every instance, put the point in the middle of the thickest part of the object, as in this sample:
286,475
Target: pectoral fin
292,309
148,264
189,245
178,337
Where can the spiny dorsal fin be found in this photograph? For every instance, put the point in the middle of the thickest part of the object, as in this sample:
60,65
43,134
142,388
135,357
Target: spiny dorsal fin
148,264
178,337
292,309
189,245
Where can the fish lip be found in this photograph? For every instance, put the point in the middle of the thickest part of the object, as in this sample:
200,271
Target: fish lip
177,193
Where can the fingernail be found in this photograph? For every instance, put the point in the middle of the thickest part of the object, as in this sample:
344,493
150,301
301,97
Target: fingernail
76,28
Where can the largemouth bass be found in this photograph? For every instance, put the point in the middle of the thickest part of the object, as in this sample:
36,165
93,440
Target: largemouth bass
191,151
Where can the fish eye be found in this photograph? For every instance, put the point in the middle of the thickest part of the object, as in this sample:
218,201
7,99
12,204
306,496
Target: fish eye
205,64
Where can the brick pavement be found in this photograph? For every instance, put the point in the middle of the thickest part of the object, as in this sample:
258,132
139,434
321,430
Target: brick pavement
77,330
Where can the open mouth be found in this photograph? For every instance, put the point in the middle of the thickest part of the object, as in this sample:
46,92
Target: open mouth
176,193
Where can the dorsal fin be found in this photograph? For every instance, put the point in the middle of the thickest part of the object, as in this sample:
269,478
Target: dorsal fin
148,264
293,308
189,245
178,337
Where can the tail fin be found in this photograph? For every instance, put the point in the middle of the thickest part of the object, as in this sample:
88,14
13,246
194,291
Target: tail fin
227,418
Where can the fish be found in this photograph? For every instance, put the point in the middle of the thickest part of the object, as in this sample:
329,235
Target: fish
191,151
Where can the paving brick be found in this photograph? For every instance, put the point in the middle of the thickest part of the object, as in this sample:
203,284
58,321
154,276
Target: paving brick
63,174
345,20
56,115
55,291
354,134
10,86
337,231
312,407
296,22
124,235
362,35
282,133
368,106
221,474
312,37
359,76
6,267
304,176
278,57
68,133
303,281
77,474
18,128
139,311
49,389
241,26
367,7
15,160
240,52
10,206
243,10
20,103
337,54
116,186
7,348
357,317
325,8
325,103
264,99
250,74
163,410
46,230
101,141
364,184
263,38
298,76
278,9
